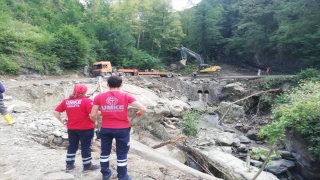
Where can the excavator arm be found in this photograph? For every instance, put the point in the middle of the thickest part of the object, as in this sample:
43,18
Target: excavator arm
185,52
203,68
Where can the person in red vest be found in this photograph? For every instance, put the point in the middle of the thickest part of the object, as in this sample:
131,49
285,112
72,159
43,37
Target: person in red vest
113,105
80,127
267,71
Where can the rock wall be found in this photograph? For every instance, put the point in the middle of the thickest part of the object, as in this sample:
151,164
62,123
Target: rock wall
307,166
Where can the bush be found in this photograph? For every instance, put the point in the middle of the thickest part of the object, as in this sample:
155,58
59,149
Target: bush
141,60
301,113
308,74
71,47
190,124
7,66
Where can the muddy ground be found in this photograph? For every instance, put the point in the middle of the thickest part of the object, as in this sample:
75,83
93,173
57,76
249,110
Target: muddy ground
22,158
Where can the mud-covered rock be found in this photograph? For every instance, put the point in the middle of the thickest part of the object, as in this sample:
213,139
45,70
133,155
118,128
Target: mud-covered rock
279,166
233,113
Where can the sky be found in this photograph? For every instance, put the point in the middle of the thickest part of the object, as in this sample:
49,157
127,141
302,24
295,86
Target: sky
182,4
177,4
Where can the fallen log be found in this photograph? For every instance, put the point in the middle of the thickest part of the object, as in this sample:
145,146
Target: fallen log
169,142
255,94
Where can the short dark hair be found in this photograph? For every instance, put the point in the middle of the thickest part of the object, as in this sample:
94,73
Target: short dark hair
114,81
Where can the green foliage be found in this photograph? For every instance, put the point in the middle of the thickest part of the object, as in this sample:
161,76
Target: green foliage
7,66
273,82
267,83
259,152
190,124
141,60
202,29
308,74
26,46
301,114
282,99
46,34
71,47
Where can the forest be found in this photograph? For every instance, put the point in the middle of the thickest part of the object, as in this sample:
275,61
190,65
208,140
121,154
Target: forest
48,36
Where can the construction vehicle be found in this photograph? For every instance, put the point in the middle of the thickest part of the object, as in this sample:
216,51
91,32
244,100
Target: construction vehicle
203,68
104,68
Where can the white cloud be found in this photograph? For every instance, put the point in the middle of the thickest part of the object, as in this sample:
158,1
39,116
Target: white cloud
183,4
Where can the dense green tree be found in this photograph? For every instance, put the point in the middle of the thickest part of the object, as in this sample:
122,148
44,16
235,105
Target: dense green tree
202,27
71,47
253,29
156,27
37,34
298,33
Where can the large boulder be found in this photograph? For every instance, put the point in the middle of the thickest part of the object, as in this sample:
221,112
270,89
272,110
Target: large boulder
162,107
236,167
225,139
198,105
233,112
177,107
208,120
152,155
233,91
145,96
173,152
279,166
307,165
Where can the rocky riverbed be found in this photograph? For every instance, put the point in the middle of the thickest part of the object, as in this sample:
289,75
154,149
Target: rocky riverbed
224,145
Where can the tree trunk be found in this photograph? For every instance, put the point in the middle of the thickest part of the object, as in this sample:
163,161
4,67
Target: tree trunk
138,43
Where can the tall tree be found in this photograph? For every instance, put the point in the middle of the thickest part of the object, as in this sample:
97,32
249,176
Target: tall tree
204,36
156,27
253,28
298,34
71,47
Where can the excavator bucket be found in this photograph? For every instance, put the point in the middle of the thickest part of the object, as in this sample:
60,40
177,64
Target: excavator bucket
183,62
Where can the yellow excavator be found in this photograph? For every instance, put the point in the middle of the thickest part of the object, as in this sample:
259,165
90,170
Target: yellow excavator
203,68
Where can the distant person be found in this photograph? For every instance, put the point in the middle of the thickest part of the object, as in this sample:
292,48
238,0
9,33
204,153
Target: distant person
259,72
115,125
3,108
194,74
86,70
135,72
80,127
267,71
152,70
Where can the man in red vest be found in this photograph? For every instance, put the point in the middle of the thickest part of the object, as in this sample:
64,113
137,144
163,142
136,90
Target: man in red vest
267,71
115,125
